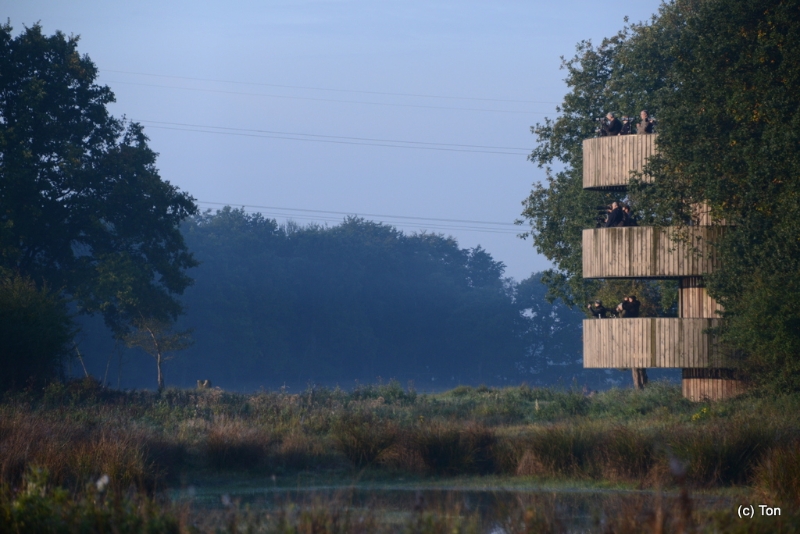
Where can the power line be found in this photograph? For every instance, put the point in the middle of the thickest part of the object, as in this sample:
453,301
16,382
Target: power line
412,217
333,89
330,136
327,99
403,224
393,223
442,149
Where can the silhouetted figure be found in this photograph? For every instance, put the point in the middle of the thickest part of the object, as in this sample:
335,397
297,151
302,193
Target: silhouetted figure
598,310
612,126
615,217
627,124
627,217
629,307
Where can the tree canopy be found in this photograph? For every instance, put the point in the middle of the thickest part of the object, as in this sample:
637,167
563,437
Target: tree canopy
356,300
722,77
287,304
82,206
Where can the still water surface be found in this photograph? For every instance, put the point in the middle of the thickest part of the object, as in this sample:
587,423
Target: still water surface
576,509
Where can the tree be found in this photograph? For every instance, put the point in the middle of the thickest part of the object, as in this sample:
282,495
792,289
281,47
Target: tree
722,77
608,77
82,206
35,333
157,339
356,300
730,134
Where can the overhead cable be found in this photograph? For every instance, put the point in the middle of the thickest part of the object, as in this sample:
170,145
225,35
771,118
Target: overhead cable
333,89
467,221
327,99
227,128
405,224
242,134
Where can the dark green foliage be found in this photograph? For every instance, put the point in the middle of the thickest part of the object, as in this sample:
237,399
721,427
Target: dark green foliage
82,207
42,508
357,301
723,78
603,79
35,333
731,110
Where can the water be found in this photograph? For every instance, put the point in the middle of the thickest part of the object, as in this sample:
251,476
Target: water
575,509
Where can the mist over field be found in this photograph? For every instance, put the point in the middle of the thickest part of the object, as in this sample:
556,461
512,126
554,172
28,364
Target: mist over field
358,302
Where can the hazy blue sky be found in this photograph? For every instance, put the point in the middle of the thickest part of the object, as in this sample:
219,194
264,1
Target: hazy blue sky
300,94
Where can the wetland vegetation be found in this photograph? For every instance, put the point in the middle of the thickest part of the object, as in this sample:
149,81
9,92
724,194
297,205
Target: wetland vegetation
650,449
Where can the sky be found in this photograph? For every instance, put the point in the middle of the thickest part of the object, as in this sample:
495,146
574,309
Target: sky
416,114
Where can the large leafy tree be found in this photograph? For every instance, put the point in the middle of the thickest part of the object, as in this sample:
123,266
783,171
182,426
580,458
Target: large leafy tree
722,76
730,139
613,76
82,206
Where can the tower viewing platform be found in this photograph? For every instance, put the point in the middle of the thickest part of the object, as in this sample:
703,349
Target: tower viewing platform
609,161
649,252
684,342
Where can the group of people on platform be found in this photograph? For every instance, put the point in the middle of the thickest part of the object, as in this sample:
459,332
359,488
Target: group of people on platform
628,308
618,214
613,126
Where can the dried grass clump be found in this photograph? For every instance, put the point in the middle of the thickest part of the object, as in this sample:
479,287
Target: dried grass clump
235,444
73,453
297,451
723,452
777,475
364,438
583,451
450,448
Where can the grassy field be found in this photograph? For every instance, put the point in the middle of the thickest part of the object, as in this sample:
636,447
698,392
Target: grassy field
57,444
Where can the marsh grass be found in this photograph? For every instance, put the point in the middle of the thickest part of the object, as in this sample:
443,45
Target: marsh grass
79,431
777,475
364,438
449,448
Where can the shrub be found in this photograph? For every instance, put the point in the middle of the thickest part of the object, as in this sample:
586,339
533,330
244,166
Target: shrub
35,332
363,438
448,448
39,507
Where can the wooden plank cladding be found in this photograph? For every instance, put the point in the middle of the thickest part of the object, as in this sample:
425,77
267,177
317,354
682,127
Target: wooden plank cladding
694,300
711,389
648,252
711,384
608,161
652,342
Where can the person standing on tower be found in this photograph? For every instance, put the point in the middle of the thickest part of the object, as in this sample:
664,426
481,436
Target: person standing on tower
646,125
612,125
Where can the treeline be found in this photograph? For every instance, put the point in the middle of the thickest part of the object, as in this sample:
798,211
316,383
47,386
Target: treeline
274,304
91,234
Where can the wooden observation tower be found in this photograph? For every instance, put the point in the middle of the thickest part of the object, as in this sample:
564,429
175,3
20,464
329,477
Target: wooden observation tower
651,252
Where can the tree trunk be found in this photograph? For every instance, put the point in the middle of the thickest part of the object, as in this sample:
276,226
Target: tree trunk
160,372
639,377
